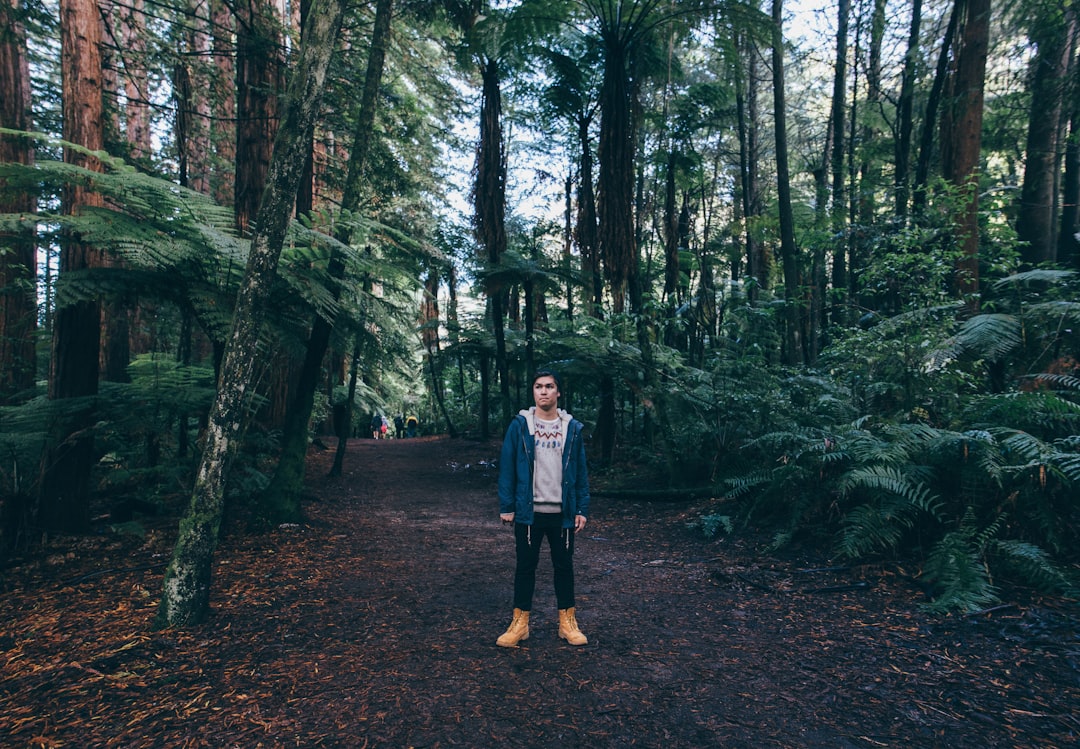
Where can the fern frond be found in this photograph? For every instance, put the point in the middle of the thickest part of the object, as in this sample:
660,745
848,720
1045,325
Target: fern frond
991,336
892,481
959,577
1038,275
1033,565
873,527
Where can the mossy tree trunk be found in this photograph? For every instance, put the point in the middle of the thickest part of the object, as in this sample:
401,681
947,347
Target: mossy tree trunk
186,595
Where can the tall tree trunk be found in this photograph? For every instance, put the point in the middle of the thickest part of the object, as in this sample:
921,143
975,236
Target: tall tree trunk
568,243
18,252
258,81
618,238
905,117
587,231
136,92
281,502
186,595
749,156
962,141
192,92
68,458
1035,222
429,333
490,207
933,103
18,258
793,346
223,130
1069,234
345,428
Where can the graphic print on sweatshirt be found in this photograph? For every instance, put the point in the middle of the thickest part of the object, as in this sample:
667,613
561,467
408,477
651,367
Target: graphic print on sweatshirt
547,476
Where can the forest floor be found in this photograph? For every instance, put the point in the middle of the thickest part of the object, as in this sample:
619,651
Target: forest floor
373,624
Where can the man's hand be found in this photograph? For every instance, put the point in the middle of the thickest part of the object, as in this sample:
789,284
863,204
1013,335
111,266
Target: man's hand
579,523
506,517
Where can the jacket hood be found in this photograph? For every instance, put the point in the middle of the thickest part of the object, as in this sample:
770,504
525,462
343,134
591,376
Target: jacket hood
530,418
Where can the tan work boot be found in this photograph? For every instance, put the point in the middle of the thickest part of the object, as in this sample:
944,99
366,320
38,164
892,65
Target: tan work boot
517,631
568,629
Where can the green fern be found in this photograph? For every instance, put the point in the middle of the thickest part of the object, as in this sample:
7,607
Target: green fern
958,575
1033,566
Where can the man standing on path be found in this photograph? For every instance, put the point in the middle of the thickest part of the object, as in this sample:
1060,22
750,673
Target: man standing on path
544,492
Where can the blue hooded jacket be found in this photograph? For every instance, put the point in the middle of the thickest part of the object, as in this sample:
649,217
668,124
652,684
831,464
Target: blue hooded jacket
516,469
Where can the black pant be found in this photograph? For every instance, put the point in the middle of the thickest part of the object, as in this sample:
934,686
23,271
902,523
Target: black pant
528,539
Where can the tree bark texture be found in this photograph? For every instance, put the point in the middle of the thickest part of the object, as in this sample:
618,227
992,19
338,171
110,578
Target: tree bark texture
1035,222
615,198
68,458
962,140
258,81
186,595
490,208
223,128
1069,234
18,252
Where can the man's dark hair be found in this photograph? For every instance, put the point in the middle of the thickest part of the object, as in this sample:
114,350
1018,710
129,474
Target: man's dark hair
545,373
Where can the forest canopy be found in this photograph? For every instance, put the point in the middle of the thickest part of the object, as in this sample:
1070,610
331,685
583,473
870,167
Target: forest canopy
813,265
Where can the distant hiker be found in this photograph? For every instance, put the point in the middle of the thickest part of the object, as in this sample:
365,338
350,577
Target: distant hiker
376,426
544,492
411,425
399,426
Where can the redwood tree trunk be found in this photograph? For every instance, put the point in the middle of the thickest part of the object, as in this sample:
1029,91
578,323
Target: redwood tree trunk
258,80
1035,222
962,141
186,595
18,257
68,458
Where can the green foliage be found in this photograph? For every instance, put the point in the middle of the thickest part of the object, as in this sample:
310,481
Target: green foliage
956,569
712,523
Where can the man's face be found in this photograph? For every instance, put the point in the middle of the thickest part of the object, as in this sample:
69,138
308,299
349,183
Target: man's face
545,393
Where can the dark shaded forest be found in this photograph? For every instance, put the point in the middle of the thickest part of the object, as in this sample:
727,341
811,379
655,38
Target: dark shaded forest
811,268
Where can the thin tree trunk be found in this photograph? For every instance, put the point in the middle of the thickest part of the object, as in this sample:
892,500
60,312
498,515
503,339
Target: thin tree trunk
905,114
345,430
793,346
933,103
186,596
749,155
587,231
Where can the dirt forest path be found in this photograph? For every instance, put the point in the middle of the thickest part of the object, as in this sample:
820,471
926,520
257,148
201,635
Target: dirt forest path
373,625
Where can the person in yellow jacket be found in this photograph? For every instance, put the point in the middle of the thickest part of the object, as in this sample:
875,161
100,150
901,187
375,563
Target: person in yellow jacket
544,492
